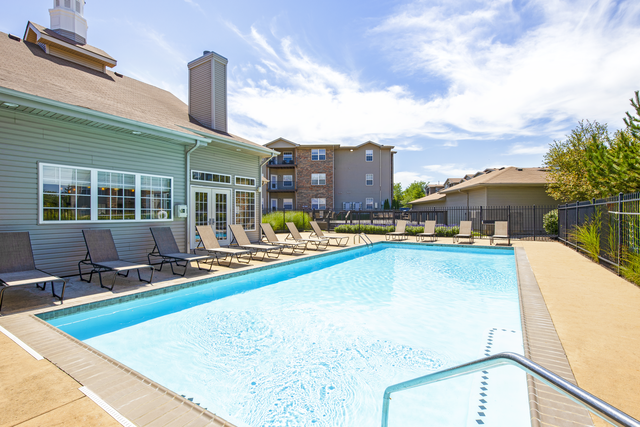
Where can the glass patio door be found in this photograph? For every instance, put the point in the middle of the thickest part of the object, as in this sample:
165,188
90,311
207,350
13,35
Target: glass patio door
212,207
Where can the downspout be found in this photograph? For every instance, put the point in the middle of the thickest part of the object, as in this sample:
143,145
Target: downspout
266,205
380,179
188,192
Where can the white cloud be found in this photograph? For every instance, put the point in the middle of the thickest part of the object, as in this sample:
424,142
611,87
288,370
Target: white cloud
451,170
194,5
450,144
579,62
406,178
521,149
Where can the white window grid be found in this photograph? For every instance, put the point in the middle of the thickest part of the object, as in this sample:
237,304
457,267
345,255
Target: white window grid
368,156
369,203
318,154
203,176
287,204
318,179
246,209
287,180
155,192
245,181
368,179
319,203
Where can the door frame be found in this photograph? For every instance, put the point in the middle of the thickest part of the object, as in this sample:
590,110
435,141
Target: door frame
211,214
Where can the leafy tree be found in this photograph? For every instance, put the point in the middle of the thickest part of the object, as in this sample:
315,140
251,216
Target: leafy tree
633,122
613,166
397,196
414,191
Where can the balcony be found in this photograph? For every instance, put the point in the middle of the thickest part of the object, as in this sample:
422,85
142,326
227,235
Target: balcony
282,162
281,186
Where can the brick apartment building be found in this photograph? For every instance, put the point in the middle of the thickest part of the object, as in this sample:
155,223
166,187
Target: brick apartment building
328,176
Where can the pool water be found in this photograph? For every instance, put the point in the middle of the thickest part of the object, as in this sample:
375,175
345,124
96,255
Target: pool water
317,342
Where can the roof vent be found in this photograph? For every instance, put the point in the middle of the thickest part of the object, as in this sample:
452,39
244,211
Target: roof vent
206,52
12,37
519,169
118,74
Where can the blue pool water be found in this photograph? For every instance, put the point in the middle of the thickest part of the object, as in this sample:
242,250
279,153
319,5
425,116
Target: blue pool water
316,342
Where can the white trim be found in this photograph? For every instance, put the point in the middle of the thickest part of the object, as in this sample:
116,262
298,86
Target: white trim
18,341
366,179
235,208
235,180
318,174
94,196
212,173
108,408
366,154
318,150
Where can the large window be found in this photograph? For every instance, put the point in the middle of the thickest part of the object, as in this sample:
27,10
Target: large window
319,204
368,156
287,181
318,179
368,179
318,154
368,203
246,209
243,180
210,177
287,157
81,194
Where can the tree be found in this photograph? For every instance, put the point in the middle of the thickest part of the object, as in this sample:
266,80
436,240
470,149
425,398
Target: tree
397,196
386,205
613,166
414,191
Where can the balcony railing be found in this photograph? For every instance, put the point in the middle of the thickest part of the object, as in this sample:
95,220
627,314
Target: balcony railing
281,186
282,161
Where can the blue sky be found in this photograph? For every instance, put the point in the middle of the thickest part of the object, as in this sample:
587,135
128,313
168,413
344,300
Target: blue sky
456,86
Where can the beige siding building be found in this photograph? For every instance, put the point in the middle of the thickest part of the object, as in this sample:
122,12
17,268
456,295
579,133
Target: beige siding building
83,147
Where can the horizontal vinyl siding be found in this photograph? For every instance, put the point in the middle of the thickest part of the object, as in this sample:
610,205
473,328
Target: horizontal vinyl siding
220,96
217,158
518,196
428,206
25,140
456,199
200,94
94,65
478,197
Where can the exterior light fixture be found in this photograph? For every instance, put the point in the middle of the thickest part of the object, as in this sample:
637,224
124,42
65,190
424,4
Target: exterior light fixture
135,132
10,104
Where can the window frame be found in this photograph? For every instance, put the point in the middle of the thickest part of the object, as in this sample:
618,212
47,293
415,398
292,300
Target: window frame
324,154
94,196
366,203
319,180
318,203
366,179
235,206
284,205
235,180
366,155
211,173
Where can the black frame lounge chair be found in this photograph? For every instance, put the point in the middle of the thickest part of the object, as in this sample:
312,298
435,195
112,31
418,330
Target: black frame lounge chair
501,231
103,257
209,243
18,268
294,234
317,231
167,249
466,232
400,232
272,238
242,240
429,231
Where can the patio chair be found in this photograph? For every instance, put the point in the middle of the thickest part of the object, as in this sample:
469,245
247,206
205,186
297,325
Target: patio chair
103,257
466,232
243,241
501,232
210,243
167,249
294,234
400,233
272,238
18,268
429,231
317,231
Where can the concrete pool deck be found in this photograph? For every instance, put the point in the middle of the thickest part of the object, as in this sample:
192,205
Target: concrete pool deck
593,311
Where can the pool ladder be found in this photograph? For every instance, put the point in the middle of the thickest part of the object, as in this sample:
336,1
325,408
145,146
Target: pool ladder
589,401
362,237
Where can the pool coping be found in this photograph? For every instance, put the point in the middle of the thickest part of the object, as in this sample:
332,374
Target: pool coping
148,403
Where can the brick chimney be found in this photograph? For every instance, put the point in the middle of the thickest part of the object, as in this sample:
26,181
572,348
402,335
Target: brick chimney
208,90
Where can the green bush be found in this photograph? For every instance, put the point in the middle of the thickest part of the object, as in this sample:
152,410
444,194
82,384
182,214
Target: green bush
380,229
299,218
588,236
447,231
550,222
630,266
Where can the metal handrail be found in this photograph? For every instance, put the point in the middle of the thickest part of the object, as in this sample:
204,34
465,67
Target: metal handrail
362,236
578,395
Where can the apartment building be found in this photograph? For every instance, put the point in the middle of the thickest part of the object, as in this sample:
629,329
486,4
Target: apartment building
328,176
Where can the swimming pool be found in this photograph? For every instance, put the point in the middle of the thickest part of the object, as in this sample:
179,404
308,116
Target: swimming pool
317,341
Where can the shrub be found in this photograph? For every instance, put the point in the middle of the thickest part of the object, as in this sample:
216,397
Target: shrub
588,236
386,206
550,222
299,218
381,229
630,266
444,231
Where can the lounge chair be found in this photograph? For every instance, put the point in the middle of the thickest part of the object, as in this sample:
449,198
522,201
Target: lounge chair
102,256
501,232
167,249
400,233
317,231
210,243
272,238
429,231
466,232
243,241
18,268
294,234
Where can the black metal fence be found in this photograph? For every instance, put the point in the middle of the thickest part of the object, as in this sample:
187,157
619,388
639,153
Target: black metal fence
617,220
525,222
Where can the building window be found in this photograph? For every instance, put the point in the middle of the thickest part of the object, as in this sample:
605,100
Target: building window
243,180
368,179
368,156
287,204
318,154
319,204
246,209
274,204
318,179
210,177
287,181
287,158
83,194
346,206
368,203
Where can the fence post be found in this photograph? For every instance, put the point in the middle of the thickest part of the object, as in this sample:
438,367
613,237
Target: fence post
284,219
508,220
619,229
534,223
